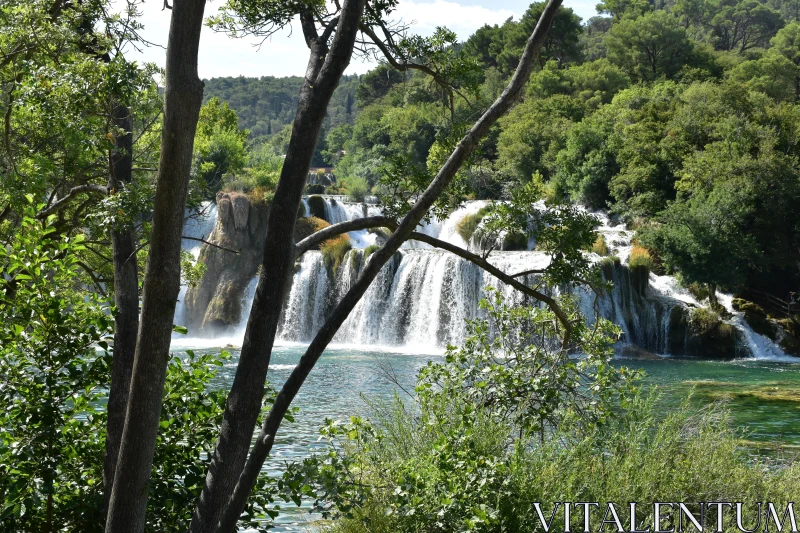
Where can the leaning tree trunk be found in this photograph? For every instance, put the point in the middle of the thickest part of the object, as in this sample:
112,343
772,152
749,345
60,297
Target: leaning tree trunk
182,100
404,231
325,68
126,300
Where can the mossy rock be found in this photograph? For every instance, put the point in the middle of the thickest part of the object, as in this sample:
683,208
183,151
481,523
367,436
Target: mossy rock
607,266
307,226
515,242
789,326
790,345
760,324
710,337
740,304
316,207
301,210
756,317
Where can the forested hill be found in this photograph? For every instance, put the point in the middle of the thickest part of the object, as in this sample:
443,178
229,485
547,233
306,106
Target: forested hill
265,105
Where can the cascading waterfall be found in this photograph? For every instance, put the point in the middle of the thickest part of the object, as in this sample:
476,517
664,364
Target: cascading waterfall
423,296
198,225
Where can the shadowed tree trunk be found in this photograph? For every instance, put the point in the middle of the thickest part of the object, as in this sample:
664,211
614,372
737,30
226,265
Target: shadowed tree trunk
377,260
182,100
325,68
126,300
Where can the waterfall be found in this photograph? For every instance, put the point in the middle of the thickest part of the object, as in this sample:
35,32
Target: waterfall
198,224
423,296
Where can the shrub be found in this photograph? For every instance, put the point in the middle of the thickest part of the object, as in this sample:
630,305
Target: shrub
515,241
356,187
334,250
640,259
307,226
456,478
476,448
466,226
600,247
699,291
315,189
704,319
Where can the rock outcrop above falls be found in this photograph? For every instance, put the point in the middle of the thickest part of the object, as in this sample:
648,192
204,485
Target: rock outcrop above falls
216,301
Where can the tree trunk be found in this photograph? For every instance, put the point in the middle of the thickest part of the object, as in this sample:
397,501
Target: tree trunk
377,260
182,100
126,299
712,295
243,405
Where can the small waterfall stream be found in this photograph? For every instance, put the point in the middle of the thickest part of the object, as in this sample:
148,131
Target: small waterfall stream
423,296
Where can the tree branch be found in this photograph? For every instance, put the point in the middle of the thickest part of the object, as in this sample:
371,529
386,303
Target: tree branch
342,227
499,274
73,192
201,239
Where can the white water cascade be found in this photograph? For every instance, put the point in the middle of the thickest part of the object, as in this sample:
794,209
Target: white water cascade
199,225
423,296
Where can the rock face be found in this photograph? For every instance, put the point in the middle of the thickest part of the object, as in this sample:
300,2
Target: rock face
216,301
660,324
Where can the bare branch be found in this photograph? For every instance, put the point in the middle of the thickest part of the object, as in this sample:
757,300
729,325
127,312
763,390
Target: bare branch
201,239
342,227
499,274
526,272
59,204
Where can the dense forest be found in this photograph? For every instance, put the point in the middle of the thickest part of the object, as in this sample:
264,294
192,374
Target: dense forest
266,105
680,117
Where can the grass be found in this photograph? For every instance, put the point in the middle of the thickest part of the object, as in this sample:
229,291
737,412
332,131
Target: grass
308,226
334,250
640,259
600,247
466,226
648,456
371,249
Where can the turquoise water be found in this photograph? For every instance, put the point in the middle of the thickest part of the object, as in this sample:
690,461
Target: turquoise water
763,397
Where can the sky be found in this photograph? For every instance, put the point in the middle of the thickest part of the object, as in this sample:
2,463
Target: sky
285,53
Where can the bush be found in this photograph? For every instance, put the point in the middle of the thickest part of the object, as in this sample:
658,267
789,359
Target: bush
600,247
483,441
466,226
515,241
640,259
357,188
315,189
307,226
334,250
456,478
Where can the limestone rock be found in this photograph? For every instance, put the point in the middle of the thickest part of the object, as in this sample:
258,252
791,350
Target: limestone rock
215,303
